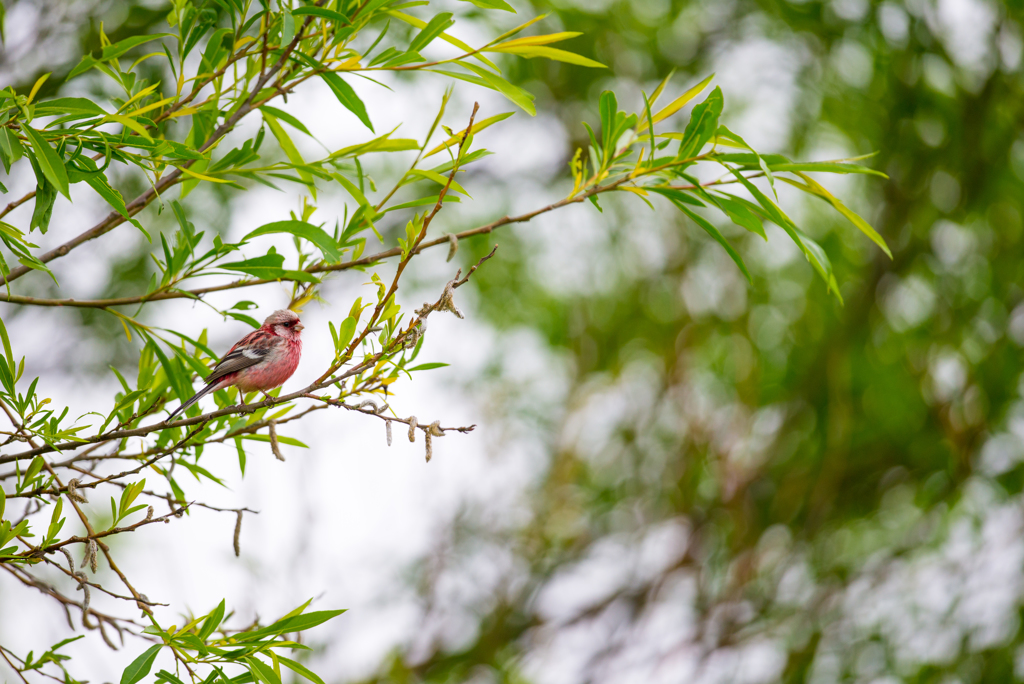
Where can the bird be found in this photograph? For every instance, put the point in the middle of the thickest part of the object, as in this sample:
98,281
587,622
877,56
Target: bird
260,361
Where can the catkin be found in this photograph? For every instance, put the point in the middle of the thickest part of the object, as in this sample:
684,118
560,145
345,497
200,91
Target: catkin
238,534
387,426
93,562
273,443
453,246
413,424
430,446
73,492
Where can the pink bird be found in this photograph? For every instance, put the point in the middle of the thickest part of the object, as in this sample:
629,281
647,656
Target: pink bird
260,361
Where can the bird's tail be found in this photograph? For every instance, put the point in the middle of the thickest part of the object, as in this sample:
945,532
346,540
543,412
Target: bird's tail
195,397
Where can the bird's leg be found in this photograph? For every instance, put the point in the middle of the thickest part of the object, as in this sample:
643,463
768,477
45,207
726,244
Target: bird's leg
268,396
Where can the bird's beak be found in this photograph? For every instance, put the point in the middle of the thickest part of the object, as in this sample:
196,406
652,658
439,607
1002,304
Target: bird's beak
299,327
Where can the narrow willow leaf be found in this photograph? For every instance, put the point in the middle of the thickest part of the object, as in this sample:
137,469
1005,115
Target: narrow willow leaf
725,132
41,212
435,27
35,88
439,179
322,13
546,39
49,161
290,150
448,38
719,238
347,97
300,669
131,123
117,49
268,266
287,118
492,4
661,87
346,331
69,105
548,53
307,231
740,215
477,127
514,93
828,167
814,188
140,667
199,176
678,103
777,216
702,125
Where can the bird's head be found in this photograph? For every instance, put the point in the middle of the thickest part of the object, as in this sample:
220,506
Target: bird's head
284,323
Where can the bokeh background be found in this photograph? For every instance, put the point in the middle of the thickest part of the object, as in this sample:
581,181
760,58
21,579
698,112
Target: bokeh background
675,477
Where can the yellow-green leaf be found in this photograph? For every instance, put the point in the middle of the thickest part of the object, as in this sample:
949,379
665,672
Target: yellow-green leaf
531,51
677,104
478,126
290,150
815,188
128,122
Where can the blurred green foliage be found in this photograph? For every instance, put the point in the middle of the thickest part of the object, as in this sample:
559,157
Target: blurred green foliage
785,433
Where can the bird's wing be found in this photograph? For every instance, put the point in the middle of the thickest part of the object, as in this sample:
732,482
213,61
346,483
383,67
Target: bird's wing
249,351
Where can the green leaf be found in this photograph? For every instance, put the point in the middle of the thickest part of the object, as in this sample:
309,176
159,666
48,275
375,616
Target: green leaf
828,167
287,27
129,122
490,80
287,118
427,366
676,104
531,51
814,188
69,105
347,97
322,13
280,438
45,197
777,216
492,4
290,150
433,29
346,331
710,229
140,667
307,231
211,622
123,46
49,161
263,672
176,378
295,623
702,125
34,468
729,135
740,215
299,669
268,266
